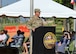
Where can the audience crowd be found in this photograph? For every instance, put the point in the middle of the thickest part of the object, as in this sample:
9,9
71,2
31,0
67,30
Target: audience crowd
18,41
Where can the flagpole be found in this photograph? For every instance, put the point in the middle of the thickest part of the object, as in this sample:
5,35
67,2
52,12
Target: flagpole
74,7
0,3
31,14
31,8
73,2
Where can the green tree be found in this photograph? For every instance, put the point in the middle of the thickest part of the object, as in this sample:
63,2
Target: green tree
65,3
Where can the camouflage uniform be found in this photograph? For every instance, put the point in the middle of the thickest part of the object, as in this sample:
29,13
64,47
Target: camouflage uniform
35,22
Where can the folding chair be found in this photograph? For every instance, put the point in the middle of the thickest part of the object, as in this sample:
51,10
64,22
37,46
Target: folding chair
67,50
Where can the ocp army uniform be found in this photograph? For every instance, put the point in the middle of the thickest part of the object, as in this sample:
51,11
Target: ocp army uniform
35,22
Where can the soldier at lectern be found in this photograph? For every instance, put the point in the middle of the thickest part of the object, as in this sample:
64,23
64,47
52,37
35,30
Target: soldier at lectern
33,23
36,21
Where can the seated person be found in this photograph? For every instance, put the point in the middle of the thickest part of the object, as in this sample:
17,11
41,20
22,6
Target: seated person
3,37
5,31
72,35
26,46
21,38
17,39
60,46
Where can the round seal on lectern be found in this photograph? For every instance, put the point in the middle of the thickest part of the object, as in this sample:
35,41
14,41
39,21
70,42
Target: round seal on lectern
49,40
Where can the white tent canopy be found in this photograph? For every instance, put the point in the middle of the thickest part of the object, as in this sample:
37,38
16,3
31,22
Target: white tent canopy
48,9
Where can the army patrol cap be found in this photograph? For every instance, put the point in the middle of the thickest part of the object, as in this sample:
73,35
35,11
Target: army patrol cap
37,10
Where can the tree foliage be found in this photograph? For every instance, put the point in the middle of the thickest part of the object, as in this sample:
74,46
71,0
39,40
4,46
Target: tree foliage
65,3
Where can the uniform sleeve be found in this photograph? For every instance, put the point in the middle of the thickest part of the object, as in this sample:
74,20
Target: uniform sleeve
44,22
29,24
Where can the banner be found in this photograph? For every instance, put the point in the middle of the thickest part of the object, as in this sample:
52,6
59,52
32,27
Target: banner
10,28
15,28
44,40
23,28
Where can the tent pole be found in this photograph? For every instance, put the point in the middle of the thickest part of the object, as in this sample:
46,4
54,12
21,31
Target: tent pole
65,24
31,8
0,3
74,7
31,14
68,29
74,24
75,27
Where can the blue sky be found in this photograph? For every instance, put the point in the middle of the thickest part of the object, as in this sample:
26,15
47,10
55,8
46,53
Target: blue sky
7,2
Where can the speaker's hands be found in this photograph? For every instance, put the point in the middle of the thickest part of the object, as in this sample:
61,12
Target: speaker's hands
33,29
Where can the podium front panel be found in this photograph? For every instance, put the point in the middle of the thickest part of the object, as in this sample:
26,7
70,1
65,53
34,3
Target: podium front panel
38,45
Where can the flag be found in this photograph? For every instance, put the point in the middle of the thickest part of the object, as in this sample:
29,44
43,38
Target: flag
72,2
